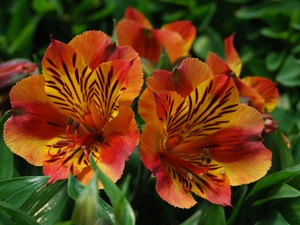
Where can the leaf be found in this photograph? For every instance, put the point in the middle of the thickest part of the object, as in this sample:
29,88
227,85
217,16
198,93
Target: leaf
214,215
105,211
6,156
262,8
4,220
295,149
274,60
210,41
47,203
272,179
85,209
278,192
274,218
240,194
194,219
17,190
123,210
291,210
289,74
18,215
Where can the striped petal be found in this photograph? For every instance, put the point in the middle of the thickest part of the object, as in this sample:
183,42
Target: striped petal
266,89
207,109
34,120
186,30
178,176
101,50
232,57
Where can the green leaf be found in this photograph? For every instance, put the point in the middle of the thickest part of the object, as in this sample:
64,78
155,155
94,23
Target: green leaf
272,179
240,194
105,211
43,6
289,74
210,41
123,210
85,210
47,204
274,60
194,219
6,156
17,190
25,36
214,215
263,8
291,211
278,192
295,149
18,215
273,218
4,220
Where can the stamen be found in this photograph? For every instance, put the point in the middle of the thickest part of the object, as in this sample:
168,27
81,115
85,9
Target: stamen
69,121
222,173
59,143
85,151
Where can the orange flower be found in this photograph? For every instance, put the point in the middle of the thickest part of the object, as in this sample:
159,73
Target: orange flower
259,92
197,137
90,83
136,31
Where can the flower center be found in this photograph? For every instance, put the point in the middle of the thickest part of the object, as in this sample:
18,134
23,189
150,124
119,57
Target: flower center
72,144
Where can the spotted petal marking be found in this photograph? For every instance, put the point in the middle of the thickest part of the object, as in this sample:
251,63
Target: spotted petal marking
207,109
68,80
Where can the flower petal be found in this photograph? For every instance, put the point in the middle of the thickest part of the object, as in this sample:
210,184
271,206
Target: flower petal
172,42
142,40
191,73
68,79
216,64
121,136
232,57
239,148
266,89
207,109
132,14
186,30
101,50
93,46
34,120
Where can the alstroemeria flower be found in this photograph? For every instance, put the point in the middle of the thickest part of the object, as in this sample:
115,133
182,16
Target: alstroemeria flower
197,137
256,91
80,106
136,31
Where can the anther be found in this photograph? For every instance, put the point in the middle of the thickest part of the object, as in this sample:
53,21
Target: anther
69,121
76,125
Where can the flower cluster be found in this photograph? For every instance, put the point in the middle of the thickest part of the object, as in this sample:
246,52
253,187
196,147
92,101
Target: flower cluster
200,135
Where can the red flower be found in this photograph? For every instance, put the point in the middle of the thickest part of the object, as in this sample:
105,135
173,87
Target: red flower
90,83
197,137
136,31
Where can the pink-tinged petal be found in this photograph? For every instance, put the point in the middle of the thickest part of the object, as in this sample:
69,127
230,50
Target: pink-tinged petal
14,70
133,14
238,147
172,42
186,30
232,57
120,136
93,46
216,64
191,73
34,120
144,41
249,95
266,89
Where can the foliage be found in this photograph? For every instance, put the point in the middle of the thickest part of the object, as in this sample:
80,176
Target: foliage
268,41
